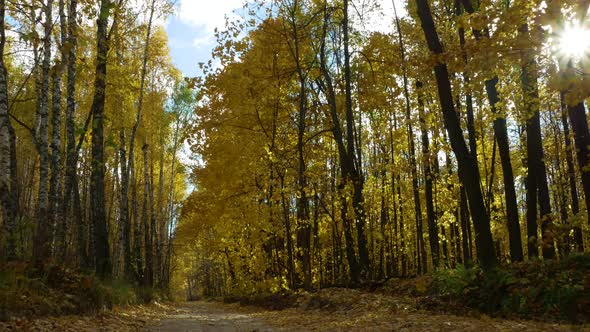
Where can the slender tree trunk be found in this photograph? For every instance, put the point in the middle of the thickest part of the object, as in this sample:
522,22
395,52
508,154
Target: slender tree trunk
55,212
97,185
579,122
161,220
124,207
578,239
71,152
397,196
171,206
153,230
137,242
131,160
355,172
428,177
535,161
149,272
303,222
288,235
42,245
468,168
420,248
7,167
501,134
345,162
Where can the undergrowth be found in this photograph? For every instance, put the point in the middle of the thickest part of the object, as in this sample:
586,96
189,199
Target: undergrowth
54,290
535,289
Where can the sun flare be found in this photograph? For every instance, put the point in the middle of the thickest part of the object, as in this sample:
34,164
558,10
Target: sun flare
574,41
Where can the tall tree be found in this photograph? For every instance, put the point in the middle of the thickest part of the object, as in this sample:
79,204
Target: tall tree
501,135
468,168
42,245
428,181
355,174
537,186
55,184
97,180
131,158
7,189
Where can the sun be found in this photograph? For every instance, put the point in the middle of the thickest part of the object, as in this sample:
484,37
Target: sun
574,41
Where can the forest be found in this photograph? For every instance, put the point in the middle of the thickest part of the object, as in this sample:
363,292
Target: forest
442,155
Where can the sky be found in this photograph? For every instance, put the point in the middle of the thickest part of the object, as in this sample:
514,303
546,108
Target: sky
191,29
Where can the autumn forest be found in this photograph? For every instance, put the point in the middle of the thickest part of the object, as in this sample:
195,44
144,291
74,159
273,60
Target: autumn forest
442,150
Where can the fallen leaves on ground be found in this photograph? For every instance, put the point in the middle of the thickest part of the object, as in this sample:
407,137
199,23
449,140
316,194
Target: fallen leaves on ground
131,318
353,310
333,309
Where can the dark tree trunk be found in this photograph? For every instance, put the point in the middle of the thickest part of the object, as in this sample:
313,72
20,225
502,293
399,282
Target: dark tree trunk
578,239
346,164
465,228
501,133
428,177
535,158
8,190
355,175
131,157
579,122
302,205
420,248
398,218
468,168
42,244
124,207
97,185
71,152
55,212
149,272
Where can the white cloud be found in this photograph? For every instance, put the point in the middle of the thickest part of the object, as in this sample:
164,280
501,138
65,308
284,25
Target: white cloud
207,13
384,21
203,41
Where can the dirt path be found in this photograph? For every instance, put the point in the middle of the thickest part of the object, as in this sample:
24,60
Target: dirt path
335,310
369,313
207,317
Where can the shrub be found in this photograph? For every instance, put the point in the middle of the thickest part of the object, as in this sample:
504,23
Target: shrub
551,289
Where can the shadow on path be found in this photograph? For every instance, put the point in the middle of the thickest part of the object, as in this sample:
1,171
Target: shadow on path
207,317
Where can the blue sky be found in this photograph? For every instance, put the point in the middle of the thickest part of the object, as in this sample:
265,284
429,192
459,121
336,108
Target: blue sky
191,30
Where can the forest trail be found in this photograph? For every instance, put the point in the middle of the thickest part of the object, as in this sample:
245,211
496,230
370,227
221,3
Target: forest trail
339,310
217,317
207,317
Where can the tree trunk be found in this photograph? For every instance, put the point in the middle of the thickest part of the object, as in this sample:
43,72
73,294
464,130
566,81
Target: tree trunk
501,133
124,207
7,187
149,272
355,175
55,213
131,160
579,122
97,185
420,248
42,245
468,168
535,158
71,151
303,222
578,239
345,162
428,177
